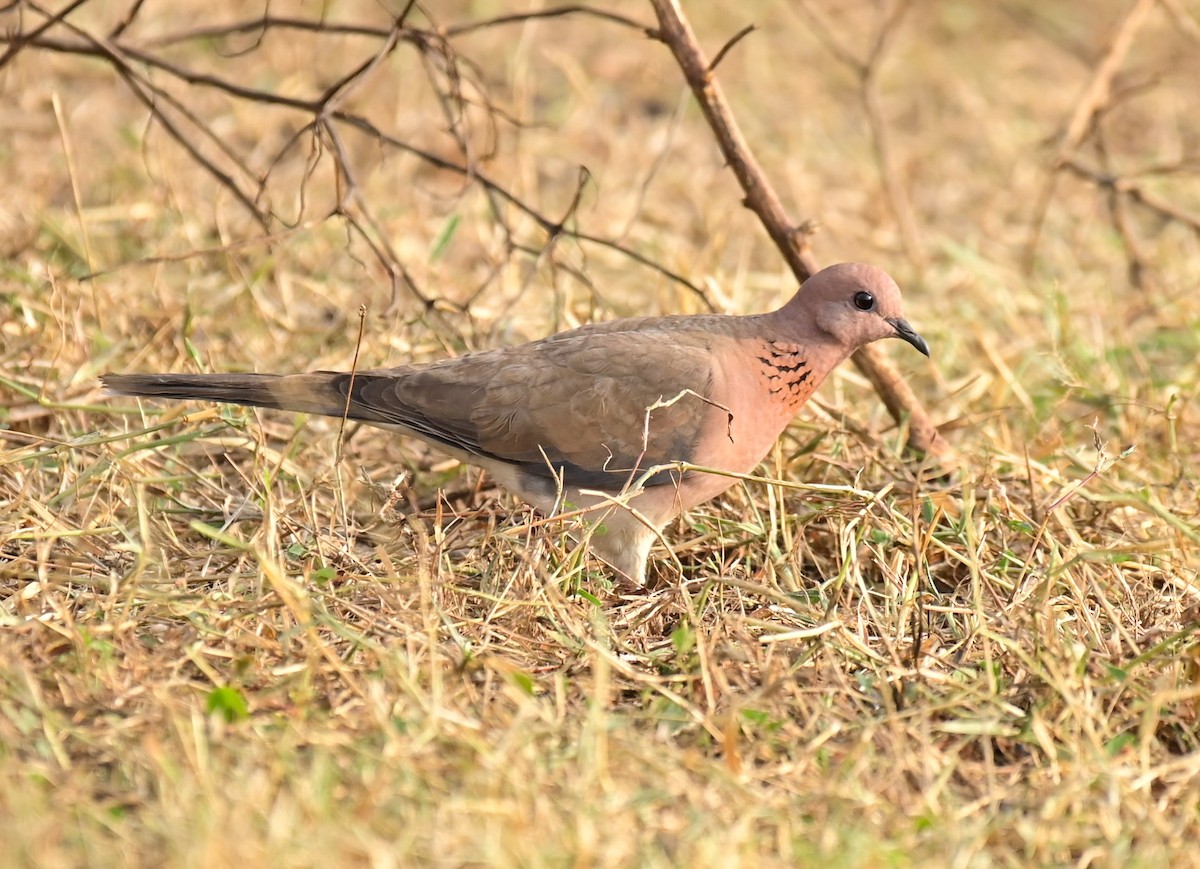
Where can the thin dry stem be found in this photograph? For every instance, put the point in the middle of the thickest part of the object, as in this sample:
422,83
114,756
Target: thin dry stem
789,238
1092,101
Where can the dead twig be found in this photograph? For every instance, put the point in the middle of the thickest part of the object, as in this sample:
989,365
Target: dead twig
1136,193
1135,256
1085,131
1095,97
1184,20
676,33
868,71
147,74
267,22
791,240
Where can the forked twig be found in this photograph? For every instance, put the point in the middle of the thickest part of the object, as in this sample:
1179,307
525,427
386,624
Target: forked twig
1136,193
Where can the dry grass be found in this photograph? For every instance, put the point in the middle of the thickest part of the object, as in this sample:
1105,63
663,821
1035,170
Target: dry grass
221,645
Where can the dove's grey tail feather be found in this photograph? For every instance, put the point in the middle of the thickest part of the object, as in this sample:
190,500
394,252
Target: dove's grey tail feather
322,392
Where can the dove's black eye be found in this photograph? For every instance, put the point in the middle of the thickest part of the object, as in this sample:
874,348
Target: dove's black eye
864,301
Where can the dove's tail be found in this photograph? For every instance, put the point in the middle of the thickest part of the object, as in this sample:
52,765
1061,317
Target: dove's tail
327,393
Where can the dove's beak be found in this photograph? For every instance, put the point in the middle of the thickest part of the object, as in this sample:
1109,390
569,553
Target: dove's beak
905,332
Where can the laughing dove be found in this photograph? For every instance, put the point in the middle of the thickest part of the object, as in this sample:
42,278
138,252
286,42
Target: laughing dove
586,417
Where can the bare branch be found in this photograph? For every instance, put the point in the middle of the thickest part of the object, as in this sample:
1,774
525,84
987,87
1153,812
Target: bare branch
897,193
15,44
1095,97
555,12
128,20
1096,94
265,23
676,34
733,40
1085,128
1119,212
1185,22
547,225
324,115
867,72
1136,193
792,242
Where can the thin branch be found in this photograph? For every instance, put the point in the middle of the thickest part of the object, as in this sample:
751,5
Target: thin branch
16,43
376,239
676,33
222,177
541,220
555,12
128,20
1147,200
1086,126
733,40
897,193
147,93
1185,22
94,46
761,198
280,22
1134,255
868,71
1095,97
122,55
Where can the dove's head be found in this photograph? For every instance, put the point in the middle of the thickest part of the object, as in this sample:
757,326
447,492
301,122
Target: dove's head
854,304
